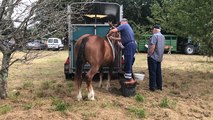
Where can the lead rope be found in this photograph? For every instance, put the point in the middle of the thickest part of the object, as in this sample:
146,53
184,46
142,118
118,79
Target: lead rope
113,50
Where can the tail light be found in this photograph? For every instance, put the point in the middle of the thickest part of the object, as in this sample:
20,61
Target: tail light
122,60
67,61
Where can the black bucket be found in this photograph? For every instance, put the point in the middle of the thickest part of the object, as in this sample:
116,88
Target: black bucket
127,90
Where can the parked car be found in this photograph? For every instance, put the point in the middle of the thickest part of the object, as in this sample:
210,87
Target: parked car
54,44
36,45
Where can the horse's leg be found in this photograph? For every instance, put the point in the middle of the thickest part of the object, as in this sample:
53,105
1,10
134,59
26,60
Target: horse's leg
109,78
93,70
79,82
108,82
101,77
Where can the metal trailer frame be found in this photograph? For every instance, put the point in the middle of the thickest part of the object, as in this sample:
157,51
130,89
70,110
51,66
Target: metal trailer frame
69,69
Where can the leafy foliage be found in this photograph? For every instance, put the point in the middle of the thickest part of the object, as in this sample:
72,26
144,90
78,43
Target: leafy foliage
187,18
136,10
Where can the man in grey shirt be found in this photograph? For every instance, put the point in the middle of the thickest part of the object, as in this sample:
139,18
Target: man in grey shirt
155,57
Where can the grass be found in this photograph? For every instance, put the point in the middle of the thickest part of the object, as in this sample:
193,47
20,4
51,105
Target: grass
5,109
13,95
166,103
70,86
138,112
40,93
28,84
42,83
139,98
27,106
60,105
46,85
88,114
184,86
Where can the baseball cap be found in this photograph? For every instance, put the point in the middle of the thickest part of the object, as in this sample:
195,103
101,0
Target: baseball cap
124,19
156,27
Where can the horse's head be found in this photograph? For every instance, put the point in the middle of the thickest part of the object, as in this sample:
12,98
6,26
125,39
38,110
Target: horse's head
115,35
112,26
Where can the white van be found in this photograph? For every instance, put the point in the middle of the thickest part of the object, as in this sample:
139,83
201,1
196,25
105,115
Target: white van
54,44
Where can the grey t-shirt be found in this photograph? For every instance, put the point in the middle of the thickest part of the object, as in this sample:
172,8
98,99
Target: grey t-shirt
159,40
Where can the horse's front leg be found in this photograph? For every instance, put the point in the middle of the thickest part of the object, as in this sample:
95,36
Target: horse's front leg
93,70
101,78
108,82
108,87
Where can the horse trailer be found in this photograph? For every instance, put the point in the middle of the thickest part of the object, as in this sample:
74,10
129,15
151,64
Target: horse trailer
92,18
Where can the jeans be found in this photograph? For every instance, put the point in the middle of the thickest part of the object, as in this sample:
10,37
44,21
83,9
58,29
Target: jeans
129,52
155,77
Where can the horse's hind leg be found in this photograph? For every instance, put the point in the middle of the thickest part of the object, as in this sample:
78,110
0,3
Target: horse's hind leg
79,82
101,78
93,70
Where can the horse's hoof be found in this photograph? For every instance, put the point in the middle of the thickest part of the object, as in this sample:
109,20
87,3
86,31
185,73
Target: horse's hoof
79,98
100,86
92,99
108,88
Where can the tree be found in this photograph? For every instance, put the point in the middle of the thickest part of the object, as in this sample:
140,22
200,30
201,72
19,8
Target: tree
187,18
21,21
136,11
12,38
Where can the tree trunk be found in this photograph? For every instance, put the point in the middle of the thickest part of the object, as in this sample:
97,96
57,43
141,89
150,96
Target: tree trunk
3,86
4,75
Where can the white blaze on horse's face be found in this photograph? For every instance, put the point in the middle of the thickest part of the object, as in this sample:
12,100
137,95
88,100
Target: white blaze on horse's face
91,95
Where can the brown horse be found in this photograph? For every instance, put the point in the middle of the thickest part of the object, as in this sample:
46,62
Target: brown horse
98,52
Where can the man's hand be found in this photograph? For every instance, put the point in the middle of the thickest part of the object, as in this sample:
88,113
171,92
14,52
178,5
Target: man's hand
108,35
112,31
111,38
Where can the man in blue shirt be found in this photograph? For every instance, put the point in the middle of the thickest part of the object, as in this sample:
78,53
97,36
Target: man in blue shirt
155,57
128,41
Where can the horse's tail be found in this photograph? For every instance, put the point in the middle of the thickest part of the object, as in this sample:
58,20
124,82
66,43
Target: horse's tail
81,56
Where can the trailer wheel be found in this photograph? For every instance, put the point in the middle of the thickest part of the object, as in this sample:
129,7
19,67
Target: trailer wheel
69,76
189,49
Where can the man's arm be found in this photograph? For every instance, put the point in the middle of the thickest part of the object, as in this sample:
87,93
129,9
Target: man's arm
112,31
116,37
152,48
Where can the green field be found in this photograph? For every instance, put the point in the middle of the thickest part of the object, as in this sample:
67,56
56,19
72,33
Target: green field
38,91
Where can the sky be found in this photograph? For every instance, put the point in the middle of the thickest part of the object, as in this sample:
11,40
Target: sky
22,10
